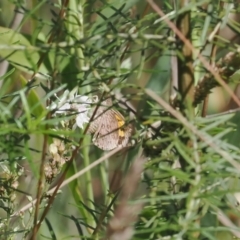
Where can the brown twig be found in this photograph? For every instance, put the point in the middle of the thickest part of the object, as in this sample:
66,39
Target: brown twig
188,44
70,179
185,63
40,187
53,34
203,136
212,62
225,67
41,170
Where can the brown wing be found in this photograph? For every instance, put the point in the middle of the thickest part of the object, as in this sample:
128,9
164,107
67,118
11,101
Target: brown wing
106,137
123,141
94,125
108,128
101,110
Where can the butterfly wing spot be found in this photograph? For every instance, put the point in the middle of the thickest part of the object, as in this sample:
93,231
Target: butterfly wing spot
120,123
123,141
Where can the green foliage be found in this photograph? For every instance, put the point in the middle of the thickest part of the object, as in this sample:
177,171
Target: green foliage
179,176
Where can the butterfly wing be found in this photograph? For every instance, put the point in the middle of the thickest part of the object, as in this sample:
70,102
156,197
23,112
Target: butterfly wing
99,115
108,128
94,125
123,140
106,137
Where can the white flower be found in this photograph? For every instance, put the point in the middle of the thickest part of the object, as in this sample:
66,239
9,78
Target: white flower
61,105
64,108
82,110
70,102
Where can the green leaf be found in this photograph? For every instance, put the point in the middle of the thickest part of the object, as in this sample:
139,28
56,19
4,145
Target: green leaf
7,74
33,100
19,52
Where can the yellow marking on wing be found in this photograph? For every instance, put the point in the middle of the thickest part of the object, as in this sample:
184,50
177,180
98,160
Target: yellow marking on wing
121,122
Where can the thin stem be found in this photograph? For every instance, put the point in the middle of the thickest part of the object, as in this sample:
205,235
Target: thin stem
185,61
89,188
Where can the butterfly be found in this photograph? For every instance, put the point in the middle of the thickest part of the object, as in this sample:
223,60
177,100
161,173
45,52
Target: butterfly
109,128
